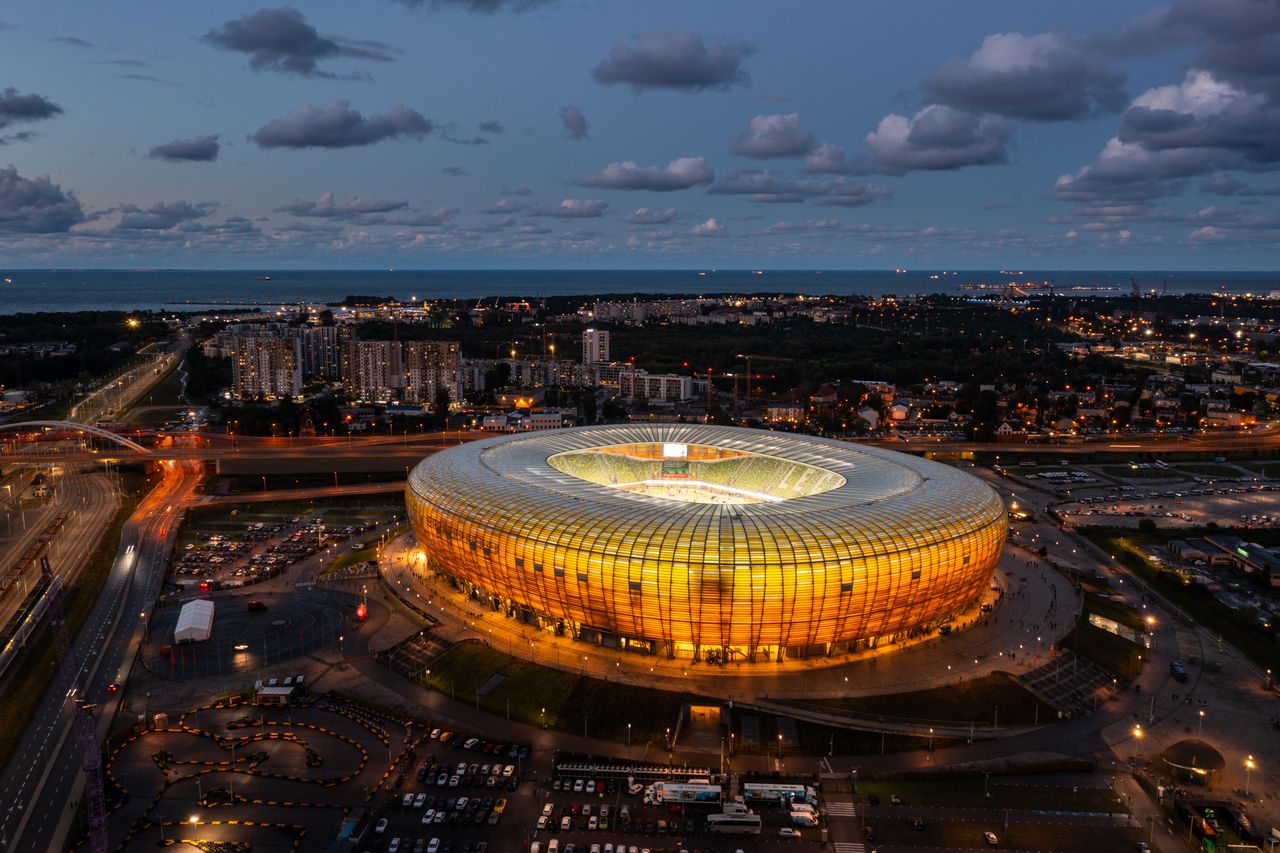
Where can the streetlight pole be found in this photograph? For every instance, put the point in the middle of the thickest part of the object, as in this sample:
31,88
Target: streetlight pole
1249,764
779,747
1200,728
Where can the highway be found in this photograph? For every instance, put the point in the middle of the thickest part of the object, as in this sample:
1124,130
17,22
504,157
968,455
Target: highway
90,501
42,783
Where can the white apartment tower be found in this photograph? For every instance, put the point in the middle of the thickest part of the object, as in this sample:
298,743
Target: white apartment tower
595,346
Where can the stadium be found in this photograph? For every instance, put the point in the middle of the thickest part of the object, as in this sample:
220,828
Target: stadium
706,542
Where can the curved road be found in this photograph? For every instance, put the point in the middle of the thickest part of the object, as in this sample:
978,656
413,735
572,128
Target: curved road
42,784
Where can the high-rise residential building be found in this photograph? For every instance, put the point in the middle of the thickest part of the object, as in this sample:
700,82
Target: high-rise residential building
372,370
322,350
654,387
595,346
265,366
429,366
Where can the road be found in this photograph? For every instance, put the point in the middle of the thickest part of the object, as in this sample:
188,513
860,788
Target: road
120,392
41,785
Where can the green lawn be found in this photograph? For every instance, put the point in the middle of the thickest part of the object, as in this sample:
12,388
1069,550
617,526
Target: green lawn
569,700
892,823
1114,654
1265,467
973,701
967,792
1124,472
1202,469
1129,548
1114,610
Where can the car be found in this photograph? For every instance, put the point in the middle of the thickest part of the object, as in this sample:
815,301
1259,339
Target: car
548,809
608,848
990,838
435,734
419,801
590,787
604,823
1178,671
461,804
441,817
1144,847
872,835
484,769
509,770
500,805
442,780
471,743
454,781
493,818
566,823
113,688
586,809
381,827
593,822
394,845
408,800
556,786
257,605
433,846
544,822
420,845
595,848
428,816
578,785
789,832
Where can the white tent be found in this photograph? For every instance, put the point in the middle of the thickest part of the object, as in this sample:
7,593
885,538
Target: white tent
195,621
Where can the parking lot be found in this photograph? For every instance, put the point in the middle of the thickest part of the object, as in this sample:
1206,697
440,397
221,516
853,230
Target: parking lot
222,553
1245,505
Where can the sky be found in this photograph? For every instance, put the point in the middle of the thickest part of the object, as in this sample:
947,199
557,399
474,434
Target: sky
809,134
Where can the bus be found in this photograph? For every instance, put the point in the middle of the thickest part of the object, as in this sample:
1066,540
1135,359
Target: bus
763,792
734,824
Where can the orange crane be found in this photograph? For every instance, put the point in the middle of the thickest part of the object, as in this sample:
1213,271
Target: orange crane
749,358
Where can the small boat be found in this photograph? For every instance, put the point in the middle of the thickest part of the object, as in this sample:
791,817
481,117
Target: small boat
8,280
264,278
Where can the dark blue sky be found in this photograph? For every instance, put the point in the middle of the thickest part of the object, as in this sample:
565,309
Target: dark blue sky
544,133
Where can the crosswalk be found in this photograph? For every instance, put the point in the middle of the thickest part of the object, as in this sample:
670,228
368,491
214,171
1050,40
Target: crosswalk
848,847
836,808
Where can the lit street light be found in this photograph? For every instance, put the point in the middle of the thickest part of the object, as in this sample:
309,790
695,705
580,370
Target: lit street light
1200,728
1249,765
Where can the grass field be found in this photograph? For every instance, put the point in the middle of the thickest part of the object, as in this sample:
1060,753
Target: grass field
569,700
1128,549
1109,609
892,824
1116,655
19,700
1205,469
1265,467
1124,472
967,792
972,701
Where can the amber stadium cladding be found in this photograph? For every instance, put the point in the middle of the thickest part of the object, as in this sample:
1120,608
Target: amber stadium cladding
681,539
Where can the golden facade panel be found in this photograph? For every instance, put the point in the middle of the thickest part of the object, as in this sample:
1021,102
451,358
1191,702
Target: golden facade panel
693,536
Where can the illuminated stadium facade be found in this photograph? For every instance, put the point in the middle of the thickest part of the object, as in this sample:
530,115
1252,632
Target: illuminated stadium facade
700,541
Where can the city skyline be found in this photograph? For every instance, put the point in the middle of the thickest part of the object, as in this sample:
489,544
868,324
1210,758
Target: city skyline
546,133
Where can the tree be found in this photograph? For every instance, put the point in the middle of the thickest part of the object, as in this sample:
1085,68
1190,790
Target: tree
440,407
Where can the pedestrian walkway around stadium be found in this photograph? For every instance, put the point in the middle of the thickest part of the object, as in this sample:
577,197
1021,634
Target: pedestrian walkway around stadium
1034,608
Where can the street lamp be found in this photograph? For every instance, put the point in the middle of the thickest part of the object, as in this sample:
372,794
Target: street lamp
1249,765
1200,728
779,746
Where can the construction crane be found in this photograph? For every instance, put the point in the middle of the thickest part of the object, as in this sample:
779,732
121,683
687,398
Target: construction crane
749,358
84,720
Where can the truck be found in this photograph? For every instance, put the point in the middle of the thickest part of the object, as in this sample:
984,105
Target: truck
764,792
661,793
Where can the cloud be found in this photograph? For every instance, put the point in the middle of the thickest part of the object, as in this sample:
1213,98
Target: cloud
1224,184
423,219
829,158
937,138
1202,125
336,125
570,208
455,171
678,60
146,78
520,191
330,207
575,123
282,40
767,188
770,136
17,108
479,7
197,149
504,206
72,41
35,205
710,228
447,134
491,126
1045,77
162,215
650,216
679,174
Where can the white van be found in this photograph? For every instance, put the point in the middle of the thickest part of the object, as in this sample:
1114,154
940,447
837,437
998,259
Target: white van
804,819
535,847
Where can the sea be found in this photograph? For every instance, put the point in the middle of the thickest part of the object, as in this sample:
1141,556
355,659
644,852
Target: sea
39,290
